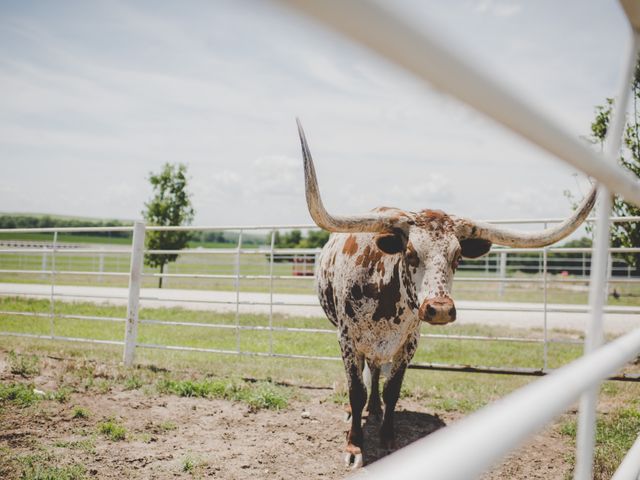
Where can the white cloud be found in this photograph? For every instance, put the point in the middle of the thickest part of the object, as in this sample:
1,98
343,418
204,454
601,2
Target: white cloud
498,8
115,90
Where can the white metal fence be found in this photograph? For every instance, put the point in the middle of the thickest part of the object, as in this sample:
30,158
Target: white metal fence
491,433
254,277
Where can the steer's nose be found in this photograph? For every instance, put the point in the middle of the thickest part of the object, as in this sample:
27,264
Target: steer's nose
437,311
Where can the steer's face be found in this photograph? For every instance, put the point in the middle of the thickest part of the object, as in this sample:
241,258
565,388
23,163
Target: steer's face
432,253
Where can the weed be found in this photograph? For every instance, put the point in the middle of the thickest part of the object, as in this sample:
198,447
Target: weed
167,426
80,412
264,395
103,386
340,397
61,395
19,394
24,365
132,383
112,430
188,464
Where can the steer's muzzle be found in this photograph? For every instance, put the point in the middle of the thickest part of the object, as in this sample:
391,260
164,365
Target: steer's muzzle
437,311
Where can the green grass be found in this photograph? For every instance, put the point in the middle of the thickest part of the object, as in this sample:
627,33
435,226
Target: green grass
262,395
113,430
65,238
465,352
87,445
615,433
42,467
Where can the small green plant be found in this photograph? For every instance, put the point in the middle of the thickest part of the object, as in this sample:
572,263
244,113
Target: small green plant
103,386
265,395
61,395
188,464
191,464
132,383
23,365
19,394
167,426
80,412
112,430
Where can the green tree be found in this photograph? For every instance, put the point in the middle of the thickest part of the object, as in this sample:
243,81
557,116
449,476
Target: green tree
315,239
169,206
624,234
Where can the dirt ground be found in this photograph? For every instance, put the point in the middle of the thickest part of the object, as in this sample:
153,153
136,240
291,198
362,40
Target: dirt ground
219,438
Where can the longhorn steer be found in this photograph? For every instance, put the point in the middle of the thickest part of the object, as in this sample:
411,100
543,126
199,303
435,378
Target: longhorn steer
381,274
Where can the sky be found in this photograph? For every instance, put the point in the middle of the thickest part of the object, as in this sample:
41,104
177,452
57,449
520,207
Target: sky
96,95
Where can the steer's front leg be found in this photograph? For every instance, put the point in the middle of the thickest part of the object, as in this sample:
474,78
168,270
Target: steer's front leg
390,394
391,390
357,398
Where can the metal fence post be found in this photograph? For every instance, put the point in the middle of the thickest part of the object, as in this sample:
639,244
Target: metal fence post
237,285
585,437
273,238
503,272
545,299
52,278
135,279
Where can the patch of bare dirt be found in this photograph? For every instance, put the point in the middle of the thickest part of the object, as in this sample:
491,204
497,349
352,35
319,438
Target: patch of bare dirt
177,437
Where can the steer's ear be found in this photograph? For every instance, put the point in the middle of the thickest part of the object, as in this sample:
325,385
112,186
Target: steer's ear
474,247
392,242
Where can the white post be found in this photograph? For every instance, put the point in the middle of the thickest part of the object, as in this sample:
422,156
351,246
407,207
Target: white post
273,238
545,300
52,300
237,282
100,265
135,278
585,440
503,271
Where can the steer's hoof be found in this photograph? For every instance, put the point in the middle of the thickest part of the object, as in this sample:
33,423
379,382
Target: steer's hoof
353,456
353,460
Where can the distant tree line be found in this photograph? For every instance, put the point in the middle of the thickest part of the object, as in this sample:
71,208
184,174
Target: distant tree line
294,239
47,221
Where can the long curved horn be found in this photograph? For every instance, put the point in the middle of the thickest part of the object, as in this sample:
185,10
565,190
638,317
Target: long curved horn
360,223
515,238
